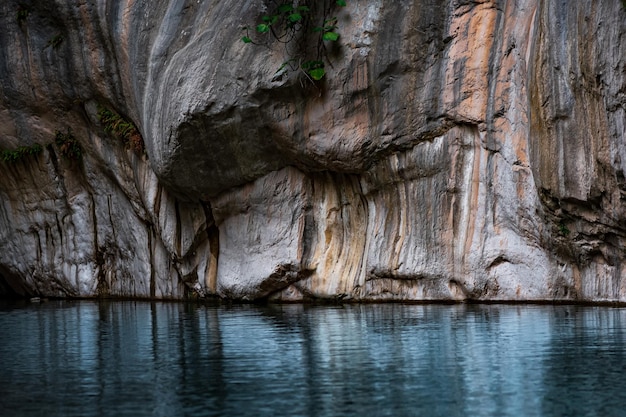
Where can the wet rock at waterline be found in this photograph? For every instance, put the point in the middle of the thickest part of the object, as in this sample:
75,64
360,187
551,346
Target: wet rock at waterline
464,150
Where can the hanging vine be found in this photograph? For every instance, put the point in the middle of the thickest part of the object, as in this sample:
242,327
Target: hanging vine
304,28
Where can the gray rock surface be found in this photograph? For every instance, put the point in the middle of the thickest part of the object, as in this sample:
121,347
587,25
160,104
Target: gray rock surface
455,150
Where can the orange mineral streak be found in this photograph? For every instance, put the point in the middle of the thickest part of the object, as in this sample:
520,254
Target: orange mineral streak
124,38
466,90
511,91
472,211
93,53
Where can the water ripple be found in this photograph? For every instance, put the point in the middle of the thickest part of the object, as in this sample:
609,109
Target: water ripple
174,359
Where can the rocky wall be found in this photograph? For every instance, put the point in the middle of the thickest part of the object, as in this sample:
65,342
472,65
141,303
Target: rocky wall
455,150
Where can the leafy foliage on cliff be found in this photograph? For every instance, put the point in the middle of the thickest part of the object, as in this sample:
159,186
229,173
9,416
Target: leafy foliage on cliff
20,153
120,128
68,144
55,41
303,28
22,13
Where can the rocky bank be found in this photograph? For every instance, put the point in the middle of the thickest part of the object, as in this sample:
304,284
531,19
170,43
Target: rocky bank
455,150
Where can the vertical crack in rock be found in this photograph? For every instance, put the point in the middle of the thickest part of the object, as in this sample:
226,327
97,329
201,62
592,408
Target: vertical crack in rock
178,235
102,286
213,235
334,236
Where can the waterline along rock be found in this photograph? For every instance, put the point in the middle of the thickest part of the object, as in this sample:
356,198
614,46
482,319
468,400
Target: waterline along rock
453,151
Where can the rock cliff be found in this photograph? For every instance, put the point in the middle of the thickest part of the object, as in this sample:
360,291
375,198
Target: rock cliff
455,150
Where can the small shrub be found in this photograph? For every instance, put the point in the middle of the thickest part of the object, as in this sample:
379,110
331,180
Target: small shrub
55,41
563,230
68,144
22,14
121,129
20,153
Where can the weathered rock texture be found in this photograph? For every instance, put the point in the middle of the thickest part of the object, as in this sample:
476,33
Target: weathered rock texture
456,150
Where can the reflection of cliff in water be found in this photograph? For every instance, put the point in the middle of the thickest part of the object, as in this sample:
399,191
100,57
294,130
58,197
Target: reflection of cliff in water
172,348
591,339
142,358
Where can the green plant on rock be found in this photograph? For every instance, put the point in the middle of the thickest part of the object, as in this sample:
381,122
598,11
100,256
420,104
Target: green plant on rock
11,156
68,144
563,230
120,128
22,13
303,27
55,41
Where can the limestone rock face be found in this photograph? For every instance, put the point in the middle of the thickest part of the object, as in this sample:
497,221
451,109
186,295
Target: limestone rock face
457,150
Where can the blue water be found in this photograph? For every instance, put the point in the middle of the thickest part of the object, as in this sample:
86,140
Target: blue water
87,358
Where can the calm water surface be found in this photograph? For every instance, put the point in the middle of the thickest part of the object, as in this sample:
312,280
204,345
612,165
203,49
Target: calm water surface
87,358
